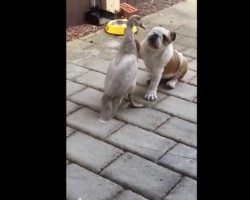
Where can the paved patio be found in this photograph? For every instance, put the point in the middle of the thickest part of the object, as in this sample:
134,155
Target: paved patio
148,153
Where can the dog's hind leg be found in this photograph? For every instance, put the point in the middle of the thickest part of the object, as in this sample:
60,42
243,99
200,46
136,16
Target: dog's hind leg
180,74
171,84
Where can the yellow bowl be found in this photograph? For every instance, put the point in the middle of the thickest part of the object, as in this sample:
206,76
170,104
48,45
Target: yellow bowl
118,27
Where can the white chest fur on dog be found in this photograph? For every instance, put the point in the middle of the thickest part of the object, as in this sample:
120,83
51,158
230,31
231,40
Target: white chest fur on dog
153,60
161,60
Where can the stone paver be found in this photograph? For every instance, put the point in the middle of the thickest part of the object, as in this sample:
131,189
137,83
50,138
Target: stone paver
181,158
101,51
87,121
89,152
85,185
189,76
77,46
189,59
106,40
146,118
178,107
179,130
92,79
77,50
187,31
73,87
193,65
191,52
74,70
88,97
69,131
95,63
179,47
71,107
186,41
185,190
91,35
181,90
194,81
159,140
128,195
141,142
142,176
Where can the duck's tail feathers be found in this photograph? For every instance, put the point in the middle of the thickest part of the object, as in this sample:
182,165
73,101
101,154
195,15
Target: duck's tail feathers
106,109
109,107
115,104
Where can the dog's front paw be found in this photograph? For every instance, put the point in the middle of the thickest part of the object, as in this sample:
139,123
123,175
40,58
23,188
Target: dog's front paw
151,95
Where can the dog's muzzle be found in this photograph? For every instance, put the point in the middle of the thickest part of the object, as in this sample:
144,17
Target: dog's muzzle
152,40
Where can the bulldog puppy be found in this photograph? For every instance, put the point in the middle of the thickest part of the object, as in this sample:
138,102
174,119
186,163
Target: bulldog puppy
161,60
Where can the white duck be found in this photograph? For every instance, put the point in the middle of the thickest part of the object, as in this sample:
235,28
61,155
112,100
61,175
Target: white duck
120,79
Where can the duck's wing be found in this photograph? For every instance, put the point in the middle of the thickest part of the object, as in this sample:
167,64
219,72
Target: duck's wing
121,75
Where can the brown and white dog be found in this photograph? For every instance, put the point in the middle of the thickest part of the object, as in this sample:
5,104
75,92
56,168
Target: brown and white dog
161,60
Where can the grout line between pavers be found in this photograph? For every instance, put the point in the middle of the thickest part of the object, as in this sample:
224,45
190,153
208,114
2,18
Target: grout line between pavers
74,131
176,140
188,82
166,112
193,70
162,123
155,161
124,186
72,79
89,68
73,110
166,152
187,36
118,193
75,92
177,171
114,131
182,98
131,123
173,187
182,156
131,151
99,173
89,133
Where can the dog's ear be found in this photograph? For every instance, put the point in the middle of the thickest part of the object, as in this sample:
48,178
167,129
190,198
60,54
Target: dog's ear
172,36
166,40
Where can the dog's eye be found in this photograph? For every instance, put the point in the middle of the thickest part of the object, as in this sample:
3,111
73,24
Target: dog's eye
164,37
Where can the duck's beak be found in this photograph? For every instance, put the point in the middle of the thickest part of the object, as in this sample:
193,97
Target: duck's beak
142,26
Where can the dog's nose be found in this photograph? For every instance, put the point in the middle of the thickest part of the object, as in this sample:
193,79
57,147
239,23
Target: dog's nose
154,36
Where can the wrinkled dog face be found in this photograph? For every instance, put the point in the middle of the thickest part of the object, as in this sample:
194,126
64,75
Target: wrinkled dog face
160,37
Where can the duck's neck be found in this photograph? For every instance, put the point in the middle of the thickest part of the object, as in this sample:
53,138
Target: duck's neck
128,45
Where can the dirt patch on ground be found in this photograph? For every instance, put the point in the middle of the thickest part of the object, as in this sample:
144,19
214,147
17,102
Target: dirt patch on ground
145,8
